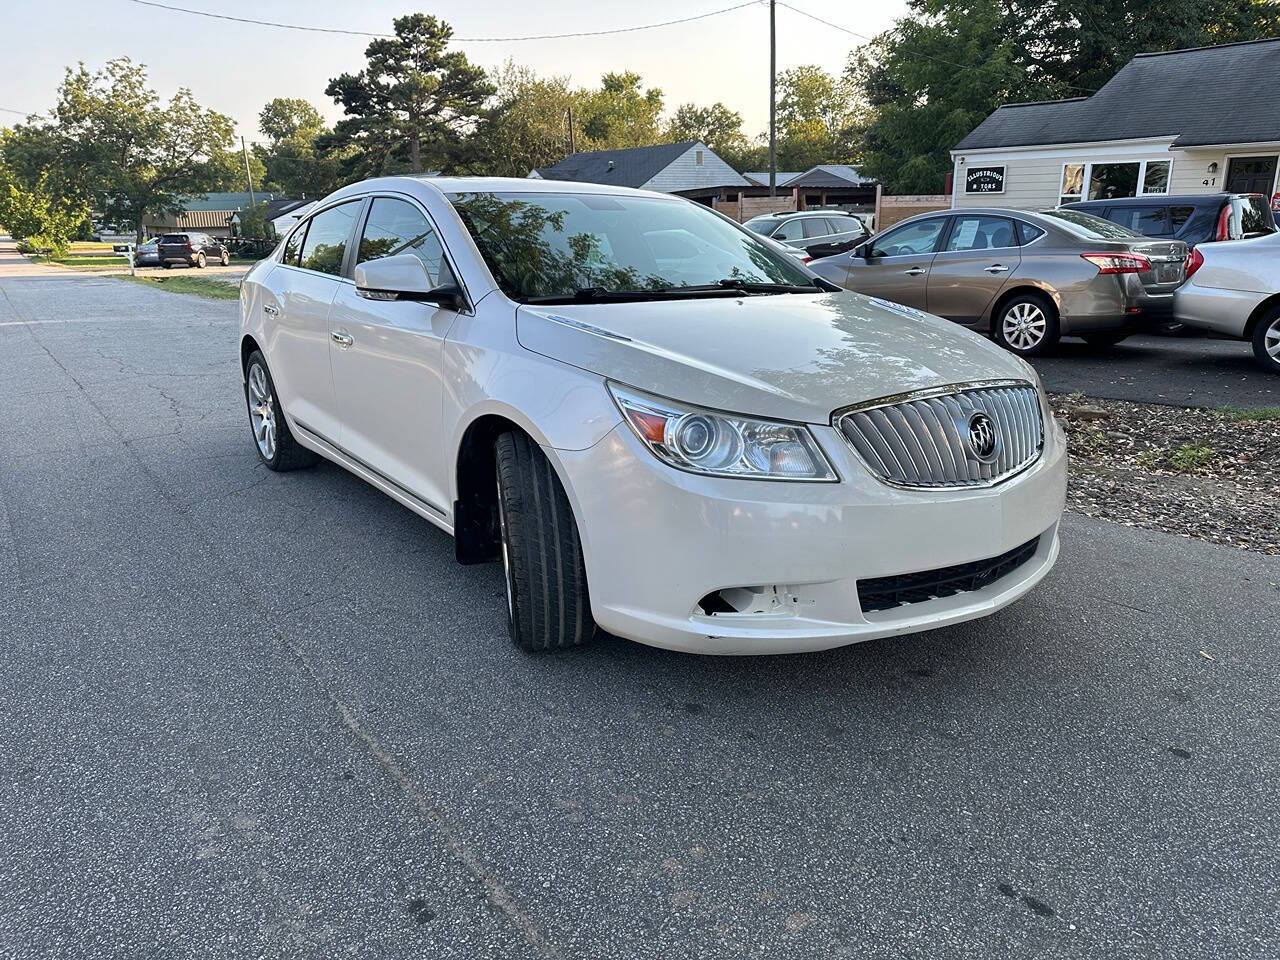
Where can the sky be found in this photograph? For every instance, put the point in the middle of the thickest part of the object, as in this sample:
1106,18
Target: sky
235,68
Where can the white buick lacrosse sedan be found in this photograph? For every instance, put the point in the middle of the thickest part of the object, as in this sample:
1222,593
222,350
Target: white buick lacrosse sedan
659,424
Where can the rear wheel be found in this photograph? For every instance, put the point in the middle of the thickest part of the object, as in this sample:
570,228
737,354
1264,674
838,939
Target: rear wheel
167,265
1107,338
200,260
548,607
1266,340
1027,324
276,445
226,259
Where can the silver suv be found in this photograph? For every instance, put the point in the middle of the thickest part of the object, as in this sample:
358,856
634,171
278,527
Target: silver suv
819,233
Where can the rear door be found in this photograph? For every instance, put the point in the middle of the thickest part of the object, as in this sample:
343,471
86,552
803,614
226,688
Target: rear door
897,263
386,358
976,259
297,296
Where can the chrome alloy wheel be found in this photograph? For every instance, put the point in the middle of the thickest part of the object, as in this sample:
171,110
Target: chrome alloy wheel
1271,340
262,411
1024,326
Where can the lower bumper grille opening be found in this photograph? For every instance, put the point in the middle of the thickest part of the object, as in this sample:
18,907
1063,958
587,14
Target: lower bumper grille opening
886,593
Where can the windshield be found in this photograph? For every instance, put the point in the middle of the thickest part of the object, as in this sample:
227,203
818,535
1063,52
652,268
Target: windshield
558,245
1090,227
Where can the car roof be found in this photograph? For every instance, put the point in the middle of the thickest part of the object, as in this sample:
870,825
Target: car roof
1157,199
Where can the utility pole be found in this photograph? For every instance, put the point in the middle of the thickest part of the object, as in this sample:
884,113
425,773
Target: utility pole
244,150
571,149
773,100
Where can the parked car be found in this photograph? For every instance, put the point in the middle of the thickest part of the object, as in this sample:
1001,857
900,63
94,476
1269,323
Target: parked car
1233,288
193,249
819,233
1193,218
698,445
147,254
1028,278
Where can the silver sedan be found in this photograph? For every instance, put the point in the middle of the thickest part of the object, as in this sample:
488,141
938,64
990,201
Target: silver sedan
1029,278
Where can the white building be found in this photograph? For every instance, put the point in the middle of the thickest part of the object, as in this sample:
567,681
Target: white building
1204,120
690,169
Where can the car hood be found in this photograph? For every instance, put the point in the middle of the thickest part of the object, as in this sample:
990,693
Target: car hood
790,357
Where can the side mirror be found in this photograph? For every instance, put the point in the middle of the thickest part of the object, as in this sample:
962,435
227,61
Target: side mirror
861,251
404,277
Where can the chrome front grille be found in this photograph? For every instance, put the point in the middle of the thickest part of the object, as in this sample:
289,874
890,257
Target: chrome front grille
944,437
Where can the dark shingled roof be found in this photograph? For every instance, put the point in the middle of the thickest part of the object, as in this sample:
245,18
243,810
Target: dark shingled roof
1206,95
633,167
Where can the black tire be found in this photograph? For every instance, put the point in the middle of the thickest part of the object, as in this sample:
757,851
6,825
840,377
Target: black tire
1023,303
548,607
226,259
1266,338
200,260
1108,338
287,454
167,265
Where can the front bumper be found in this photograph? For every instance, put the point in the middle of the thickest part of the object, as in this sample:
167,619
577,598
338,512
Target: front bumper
657,540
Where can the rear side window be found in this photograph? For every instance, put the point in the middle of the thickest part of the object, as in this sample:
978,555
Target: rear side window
395,227
1148,221
1250,217
1027,232
817,227
1178,217
980,233
326,241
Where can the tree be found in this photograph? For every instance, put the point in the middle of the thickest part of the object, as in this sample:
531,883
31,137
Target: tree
528,125
291,159
942,69
40,218
717,126
412,96
620,113
111,144
819,118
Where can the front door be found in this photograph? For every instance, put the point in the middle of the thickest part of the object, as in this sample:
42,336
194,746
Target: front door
897,263
975,261
1251,175
387,360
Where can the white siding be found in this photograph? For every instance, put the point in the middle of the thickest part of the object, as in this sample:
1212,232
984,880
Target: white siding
1033,175
685,173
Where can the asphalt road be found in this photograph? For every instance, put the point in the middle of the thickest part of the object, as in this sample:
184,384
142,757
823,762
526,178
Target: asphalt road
255,715
1182,371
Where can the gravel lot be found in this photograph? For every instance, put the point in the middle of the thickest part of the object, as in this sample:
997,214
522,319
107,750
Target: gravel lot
254,715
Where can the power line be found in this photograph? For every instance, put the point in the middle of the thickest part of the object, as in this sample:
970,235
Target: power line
22,113
365,33
923,56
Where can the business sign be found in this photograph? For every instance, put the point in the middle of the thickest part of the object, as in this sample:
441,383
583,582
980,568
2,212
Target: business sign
984,180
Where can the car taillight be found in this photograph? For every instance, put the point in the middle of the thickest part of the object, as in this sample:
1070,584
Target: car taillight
1224,224
188,246
1118,262
805,259
1195,260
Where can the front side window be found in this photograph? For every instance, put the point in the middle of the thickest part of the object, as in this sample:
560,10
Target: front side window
914,238
980,233
816,227
554,245
326,240
790,230
293,246
395,227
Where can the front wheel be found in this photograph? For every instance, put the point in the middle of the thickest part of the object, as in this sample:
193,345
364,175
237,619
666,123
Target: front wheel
1266,341
1108,338
548,607
1027,325
276,445
226,259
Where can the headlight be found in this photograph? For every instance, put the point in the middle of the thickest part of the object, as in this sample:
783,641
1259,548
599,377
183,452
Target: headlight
722,444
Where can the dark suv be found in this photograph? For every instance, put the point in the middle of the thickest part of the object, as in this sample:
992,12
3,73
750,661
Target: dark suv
1193,219
193,249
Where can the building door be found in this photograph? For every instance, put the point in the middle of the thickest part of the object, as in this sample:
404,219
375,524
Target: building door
1251,175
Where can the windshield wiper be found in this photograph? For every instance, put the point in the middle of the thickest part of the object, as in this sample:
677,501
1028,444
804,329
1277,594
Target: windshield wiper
601,295
756,286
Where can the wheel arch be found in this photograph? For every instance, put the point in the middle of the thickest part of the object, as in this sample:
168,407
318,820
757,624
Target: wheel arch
1261,310
1022,288
247,345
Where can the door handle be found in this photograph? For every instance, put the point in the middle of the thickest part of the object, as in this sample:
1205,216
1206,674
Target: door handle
996,268
343,340
270,311
914,271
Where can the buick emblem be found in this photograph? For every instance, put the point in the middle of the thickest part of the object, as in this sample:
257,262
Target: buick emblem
983,441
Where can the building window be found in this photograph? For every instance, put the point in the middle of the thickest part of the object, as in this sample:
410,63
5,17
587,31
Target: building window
1110,181
1072,183
1156,177
697,158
